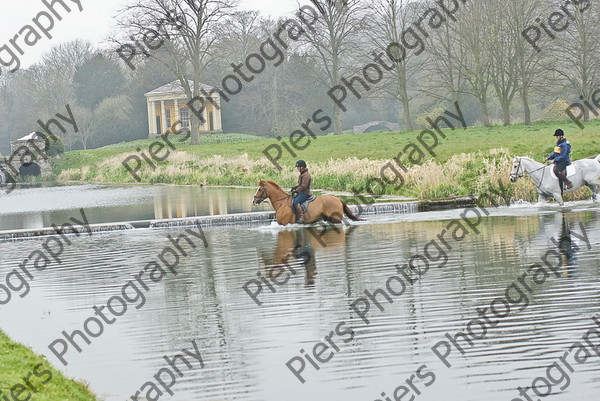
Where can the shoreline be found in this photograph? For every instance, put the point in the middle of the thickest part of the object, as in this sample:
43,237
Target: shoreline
27,374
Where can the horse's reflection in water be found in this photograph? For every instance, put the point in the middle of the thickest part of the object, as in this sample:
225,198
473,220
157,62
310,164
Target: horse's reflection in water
296,251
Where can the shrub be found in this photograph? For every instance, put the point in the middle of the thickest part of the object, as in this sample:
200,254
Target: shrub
555,110
432,114
55,147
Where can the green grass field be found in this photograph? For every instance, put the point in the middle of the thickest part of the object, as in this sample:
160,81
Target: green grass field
534,140
339,162
25,375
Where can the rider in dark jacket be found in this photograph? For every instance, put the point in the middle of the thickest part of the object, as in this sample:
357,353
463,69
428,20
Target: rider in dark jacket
561,158
302,189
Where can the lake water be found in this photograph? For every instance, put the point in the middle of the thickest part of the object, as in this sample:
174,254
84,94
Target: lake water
245,347
39,207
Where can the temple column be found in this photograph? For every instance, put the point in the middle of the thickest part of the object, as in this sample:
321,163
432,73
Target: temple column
218,126
176,105
163,120
151,123
205,116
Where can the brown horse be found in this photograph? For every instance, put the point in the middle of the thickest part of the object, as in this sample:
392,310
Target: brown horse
324,207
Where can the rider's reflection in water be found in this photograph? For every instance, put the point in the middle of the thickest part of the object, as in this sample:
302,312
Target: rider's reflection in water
566,248
296,250
293,253
304,250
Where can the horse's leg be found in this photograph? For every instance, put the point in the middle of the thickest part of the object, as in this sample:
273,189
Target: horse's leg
332,210
594,185
285,216
558,197
542,198
335,218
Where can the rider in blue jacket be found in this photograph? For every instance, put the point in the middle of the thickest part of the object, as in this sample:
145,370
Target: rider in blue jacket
561,158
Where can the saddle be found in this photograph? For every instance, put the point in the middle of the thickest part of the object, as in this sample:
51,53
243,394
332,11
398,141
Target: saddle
304,205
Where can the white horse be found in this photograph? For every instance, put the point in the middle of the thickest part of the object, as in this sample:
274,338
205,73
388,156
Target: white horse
587,172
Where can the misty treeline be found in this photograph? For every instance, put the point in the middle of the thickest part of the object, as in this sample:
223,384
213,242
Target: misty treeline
478,57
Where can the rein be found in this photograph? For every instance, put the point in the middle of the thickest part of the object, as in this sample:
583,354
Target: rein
278,200
530,172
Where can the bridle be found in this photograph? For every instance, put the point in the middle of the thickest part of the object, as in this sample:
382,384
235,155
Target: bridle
517,174
520,175
264,195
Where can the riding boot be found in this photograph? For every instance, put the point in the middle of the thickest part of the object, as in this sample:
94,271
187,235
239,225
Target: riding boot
563,178
568,182
299,214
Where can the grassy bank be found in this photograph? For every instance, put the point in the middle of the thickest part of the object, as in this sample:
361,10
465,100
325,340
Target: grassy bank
25,375
467,161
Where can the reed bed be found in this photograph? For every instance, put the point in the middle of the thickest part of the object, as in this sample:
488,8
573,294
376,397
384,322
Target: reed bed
462,174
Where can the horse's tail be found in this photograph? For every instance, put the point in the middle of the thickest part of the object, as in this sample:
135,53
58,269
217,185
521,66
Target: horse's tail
349,213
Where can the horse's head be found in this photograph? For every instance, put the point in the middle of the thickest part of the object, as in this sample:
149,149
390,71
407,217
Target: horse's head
261,193
517,170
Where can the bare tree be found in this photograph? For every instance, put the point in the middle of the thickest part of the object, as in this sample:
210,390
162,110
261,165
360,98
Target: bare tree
577,54
330,43
502,44
445,62
241,36
473,32
87,125
51,80
101,125
520,14
189,29
389,19
284,96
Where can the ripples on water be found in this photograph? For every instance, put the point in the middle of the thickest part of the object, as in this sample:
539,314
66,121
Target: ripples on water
245,347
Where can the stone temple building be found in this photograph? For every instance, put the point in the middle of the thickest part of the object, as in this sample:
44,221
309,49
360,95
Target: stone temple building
168,105
28,158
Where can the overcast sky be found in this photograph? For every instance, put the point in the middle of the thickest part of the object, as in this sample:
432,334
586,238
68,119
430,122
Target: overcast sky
94,23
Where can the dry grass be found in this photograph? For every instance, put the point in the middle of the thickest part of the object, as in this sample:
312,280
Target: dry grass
461,174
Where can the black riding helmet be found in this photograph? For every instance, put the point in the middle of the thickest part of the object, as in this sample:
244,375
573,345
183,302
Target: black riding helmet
301,163
559,132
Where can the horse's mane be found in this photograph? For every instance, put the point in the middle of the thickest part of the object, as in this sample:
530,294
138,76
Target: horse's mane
528,158
273,183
